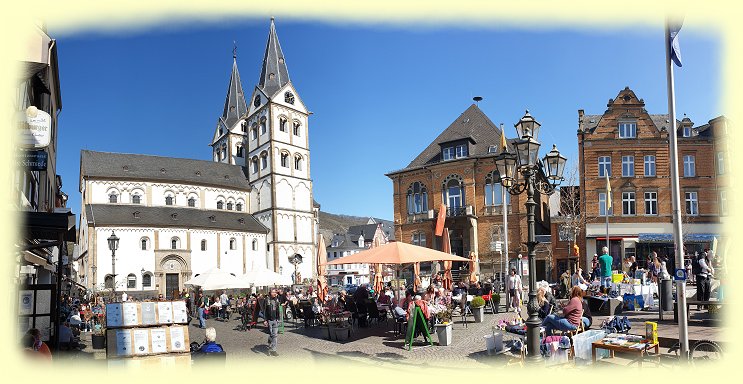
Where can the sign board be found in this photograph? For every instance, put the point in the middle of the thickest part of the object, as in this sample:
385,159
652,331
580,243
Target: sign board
36,130
32,160
417,322
679,274
496,246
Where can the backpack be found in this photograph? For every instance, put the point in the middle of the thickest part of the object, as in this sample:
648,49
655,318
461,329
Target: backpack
696,268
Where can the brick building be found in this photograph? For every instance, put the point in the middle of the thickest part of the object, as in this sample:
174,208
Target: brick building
632,146
458,169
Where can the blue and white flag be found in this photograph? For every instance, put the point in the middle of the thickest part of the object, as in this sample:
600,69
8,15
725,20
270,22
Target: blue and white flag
673,31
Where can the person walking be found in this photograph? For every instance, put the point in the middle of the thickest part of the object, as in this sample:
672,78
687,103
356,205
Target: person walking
605,262
271,319
704,277
514,290
224,301
595,270
201,302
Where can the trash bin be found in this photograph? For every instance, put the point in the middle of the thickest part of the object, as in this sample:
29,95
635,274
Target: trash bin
666,295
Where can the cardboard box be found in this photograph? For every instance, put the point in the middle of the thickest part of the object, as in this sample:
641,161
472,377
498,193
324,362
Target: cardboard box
129,342
180,360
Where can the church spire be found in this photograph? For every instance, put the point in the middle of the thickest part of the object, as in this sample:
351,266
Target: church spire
234,104
274,74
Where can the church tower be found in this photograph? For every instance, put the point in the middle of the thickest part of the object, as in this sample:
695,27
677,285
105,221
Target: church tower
277,163
228,143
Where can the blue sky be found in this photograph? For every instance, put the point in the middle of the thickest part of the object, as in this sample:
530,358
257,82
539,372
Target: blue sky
379,94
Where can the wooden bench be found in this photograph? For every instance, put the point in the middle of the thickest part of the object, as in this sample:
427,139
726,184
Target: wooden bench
698,303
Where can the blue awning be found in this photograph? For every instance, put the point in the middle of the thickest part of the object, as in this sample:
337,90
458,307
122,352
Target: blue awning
668,237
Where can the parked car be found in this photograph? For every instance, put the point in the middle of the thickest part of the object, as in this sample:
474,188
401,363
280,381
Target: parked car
350,288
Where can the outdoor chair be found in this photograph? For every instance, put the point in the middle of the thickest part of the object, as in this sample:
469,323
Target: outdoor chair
373,311
363,314
308,315
401,323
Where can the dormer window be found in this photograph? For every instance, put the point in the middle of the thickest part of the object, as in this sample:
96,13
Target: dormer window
448,153
492,149
627,130
686,132
461,150
454,152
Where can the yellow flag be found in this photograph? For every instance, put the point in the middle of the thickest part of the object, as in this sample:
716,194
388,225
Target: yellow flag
608,194
503,140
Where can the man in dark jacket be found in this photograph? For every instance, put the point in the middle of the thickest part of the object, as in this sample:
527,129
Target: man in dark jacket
270,309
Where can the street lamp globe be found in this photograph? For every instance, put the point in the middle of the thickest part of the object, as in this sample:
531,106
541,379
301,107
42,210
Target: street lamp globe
555,164
527,152
113,242
506,164
527,127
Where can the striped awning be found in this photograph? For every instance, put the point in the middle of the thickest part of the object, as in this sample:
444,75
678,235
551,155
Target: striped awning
668,237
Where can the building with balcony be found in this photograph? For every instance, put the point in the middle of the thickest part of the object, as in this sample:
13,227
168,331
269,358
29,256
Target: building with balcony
631,147
458,170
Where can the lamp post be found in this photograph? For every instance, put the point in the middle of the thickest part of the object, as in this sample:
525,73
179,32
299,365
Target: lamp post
524,172
93,269
113,245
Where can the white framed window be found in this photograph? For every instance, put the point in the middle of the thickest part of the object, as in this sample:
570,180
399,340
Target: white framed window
254,245
131,281
602,204
254,162
136,199
686,132
224,151
494,191
627,130
113,198
453,192
419,238
233,244
264,160
723,203
692,203
604,166
298,162
417,198
229,206
651,203
448,153
296,128
191,202
285,160
203,245
628,203
220,204
254,133
264,129
175,243
461,150
628,166
169,200
689,166
649,162
239,207
239,151
720,163
144,243
282,124
147,280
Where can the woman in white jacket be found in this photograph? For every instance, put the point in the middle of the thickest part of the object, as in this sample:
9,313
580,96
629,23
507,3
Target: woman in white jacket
514,290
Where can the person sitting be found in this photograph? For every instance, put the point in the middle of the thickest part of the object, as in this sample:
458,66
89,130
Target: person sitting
572,314
342,300
545,307
577,278
383,298
210,345
33,337
65,336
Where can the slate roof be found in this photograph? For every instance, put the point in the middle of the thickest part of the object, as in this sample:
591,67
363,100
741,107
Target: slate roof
108,165
472,125
274,64
234,103
590,122
345,243
124,215
367,230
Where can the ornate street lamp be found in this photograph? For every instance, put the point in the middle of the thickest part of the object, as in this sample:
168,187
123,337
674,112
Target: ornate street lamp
93,269
524,172
113,245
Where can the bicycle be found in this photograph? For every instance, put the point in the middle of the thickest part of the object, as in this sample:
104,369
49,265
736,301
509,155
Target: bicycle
701,351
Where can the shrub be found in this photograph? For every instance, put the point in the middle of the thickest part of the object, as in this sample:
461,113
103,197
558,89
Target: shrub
477,302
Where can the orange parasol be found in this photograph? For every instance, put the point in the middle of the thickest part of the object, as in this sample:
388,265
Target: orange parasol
473,267
322,259
448,280
396,253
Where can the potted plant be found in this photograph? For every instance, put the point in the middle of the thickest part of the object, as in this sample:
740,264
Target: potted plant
478,308
496,300
98,338
341,330
444,327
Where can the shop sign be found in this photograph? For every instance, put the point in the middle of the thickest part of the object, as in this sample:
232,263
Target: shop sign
36,130
32,160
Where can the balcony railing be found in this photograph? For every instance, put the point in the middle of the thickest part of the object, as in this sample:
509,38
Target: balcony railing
459,211
418,217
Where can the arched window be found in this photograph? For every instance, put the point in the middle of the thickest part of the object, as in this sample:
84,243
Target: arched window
254,161
296,128
131,281
285,160
255,245
494,190
289,97
254,132
239,151
147,280
175,243
220,204
229,206
169,200
113,198
298,162
243,124
144,243
191,202
233,244
108,282
224,151
203,245
264,160
136,199
453,192
282,124
417,198
239,207
263,127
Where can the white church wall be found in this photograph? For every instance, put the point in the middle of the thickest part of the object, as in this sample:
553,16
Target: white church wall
284,194
302,200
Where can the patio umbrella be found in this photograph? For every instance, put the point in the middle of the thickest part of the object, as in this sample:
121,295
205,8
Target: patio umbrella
262,277
215,279
473,267
322,258
448,280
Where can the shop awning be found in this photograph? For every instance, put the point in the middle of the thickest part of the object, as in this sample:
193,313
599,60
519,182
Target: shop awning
668,237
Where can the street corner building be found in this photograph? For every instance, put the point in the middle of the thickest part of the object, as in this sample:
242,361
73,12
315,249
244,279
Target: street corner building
631,147
458,170
251,207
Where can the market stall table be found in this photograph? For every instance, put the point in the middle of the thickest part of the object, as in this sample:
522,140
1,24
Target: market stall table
628,348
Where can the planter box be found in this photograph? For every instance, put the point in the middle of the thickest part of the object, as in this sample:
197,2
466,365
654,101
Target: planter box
342,333
443,331
479,314
99,341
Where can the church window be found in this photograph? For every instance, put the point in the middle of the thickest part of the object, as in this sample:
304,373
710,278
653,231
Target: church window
255,244
224,151
220,204
257,101
263,127
144,243
296,128
233,244
255,164
242,125
239,207
191,202
289,97
254,132
175,243
264,160
298,163
285,160
203,245
229,206
131,281
147,280
168,200
113,198
239,152
282,124
136,199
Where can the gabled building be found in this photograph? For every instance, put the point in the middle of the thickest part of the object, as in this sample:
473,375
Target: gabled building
631,146
458,169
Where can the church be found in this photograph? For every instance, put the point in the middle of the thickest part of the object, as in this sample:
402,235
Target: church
251,207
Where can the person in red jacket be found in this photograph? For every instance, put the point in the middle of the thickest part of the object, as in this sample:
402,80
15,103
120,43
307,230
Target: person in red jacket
572,314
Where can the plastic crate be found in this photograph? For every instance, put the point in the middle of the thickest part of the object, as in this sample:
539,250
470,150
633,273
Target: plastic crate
582,346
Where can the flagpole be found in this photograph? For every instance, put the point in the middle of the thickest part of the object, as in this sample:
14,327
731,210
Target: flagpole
505,232
608,207
676,199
